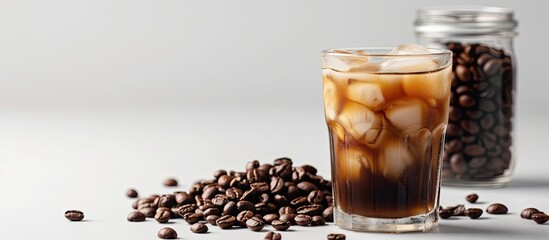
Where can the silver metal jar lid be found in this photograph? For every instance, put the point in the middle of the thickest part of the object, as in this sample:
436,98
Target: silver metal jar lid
465,20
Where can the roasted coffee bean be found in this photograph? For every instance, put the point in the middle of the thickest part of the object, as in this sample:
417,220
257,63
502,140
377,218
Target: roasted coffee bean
230,209
183,198
473,213
446,213
226,222
280,225
315,197
277,185
306,186
268,218
264,208
136,216
303,220
265,167
318,221
209,191
528,212
191,218
328,214
459,210
467,101
293,192
167,233
149,212
311,210
255,224
260,187
310,169
220,200
187,208
497,208
472,198
131,193
252,164
540,218
298,202
243,216
249,195
199,228
163,216
217,174
211,219
336,236
264,198
286,210
256,175
290,217
170,182
206,206
233,193
74,215
457,163
474,150
272,236
280,200
225,181
283,170
211,211
167,200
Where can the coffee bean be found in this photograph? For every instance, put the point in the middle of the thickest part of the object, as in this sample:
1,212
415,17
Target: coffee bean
183,198
136,216
225,181
74,215
462,73
163,216
336,236
244,205
233,193
286,210
459,210
473,213
280,200
311,210
255,224
217,174
260,187
243,216
303,220
470,126
187,208
209,191
148,211
280,225
290,217
467,101
457,163
211,211
131,193
497,208
226,222
199,228
167,233
249,195
328,214
252,165
472,198
230,209
474,150
528,212
306,186
170,182
277,185
315,197
298,202
272,236
211,219
540,218
318,221
220,200
191,218
492,66
167,200
446,213
268,218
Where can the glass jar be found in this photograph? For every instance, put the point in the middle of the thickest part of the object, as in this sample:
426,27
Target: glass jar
479,149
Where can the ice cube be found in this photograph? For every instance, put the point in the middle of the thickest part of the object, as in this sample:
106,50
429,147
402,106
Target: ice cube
428,86
418,142
357,119
331,99
354,162
343,63
394,159
411,63
337,130
368,94
408,113
409,49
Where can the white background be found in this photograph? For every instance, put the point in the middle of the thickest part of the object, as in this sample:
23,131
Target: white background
99,96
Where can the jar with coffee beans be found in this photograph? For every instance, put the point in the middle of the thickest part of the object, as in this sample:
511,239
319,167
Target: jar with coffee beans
479,146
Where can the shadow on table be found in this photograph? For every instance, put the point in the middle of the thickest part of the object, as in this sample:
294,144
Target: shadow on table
524,183
452,229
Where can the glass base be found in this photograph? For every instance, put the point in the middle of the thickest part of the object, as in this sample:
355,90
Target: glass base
418,223
496,182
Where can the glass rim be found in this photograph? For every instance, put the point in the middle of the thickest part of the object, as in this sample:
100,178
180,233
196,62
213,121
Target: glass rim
345,52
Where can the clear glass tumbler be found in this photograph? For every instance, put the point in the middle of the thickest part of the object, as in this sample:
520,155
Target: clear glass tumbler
386,111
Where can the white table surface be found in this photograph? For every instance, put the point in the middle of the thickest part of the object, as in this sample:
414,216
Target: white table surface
59,159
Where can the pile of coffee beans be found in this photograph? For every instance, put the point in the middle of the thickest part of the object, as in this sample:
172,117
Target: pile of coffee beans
478,136
534,214
279,194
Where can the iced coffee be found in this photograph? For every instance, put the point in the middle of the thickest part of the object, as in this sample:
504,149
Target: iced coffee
386,111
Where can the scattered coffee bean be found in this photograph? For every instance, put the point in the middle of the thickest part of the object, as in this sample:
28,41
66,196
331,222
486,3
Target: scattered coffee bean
528,212
459,210
226,222
303,220
131,193
243,216
473,213
288,218
472,198
272,236
540,218
74,215
497,208
336,236
446,213
270,217
163,216
212,219
148,211
255,224
191,218
136,216
170,182
199,228
167,233
280,225
318,221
